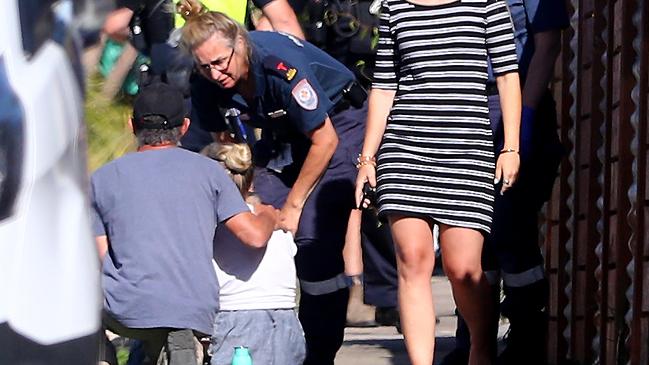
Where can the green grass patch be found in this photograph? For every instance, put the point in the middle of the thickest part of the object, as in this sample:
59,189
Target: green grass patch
109,136
122,356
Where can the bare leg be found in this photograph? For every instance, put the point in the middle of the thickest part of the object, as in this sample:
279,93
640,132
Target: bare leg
461,252
358,313
352,251
415,261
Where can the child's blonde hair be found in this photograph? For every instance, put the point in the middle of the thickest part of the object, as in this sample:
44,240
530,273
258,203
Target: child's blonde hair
237,160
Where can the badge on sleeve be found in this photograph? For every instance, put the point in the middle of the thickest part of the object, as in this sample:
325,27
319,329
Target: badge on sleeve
304,95
279,67
289,72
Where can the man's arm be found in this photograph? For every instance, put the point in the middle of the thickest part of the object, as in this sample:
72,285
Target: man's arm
255,229
324,141
116,24
280,16
353,251
102,246
547,46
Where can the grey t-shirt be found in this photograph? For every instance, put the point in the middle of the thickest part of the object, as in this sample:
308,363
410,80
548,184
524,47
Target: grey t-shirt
159,209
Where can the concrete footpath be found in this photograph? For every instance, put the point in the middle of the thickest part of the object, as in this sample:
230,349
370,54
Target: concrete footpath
384,345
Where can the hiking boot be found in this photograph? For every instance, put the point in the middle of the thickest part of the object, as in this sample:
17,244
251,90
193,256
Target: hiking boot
388,316
359,314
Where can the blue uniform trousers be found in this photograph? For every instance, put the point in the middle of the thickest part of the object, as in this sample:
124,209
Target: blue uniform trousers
380,279
512,249
321,236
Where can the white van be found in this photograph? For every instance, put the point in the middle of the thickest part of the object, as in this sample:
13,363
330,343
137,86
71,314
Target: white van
49,272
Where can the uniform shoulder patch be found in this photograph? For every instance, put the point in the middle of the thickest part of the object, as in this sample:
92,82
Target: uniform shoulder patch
280,67
305,95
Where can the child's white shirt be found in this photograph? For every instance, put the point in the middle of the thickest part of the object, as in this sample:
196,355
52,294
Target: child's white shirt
252,278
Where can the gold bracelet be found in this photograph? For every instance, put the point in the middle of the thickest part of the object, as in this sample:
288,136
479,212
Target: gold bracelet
365,163
362,158
365,160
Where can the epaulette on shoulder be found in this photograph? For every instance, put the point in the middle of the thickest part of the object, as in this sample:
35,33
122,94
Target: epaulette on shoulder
279,67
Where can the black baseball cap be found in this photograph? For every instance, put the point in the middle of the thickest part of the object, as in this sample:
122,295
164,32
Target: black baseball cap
158,106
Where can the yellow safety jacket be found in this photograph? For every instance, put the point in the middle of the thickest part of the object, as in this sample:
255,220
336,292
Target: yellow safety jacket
235,9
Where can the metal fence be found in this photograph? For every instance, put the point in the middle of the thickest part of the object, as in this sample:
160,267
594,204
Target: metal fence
595,233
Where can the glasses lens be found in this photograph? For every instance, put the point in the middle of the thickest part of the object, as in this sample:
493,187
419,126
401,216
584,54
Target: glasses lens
218,64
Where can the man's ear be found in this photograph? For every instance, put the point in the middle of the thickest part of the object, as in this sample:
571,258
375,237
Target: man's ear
185,126
130,125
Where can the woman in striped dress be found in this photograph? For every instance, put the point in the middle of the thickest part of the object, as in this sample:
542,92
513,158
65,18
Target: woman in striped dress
428,126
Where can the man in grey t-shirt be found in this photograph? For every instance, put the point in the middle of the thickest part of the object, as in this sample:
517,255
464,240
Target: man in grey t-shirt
155,212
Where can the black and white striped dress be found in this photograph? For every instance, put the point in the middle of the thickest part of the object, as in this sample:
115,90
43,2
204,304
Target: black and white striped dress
436,159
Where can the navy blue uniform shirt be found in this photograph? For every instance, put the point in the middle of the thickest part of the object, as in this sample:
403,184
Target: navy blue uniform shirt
529,17
296,86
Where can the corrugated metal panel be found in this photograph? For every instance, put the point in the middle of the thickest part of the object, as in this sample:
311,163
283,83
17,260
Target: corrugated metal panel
595,234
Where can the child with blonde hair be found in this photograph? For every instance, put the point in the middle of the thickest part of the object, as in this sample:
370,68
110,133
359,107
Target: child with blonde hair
257,286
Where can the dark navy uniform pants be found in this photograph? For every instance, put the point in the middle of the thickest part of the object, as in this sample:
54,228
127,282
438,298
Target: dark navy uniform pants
512,247
321,236
380,279
512,251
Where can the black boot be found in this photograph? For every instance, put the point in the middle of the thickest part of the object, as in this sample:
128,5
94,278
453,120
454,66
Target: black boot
526,341
460,354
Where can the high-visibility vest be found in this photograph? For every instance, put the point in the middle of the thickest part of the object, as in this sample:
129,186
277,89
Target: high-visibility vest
235,9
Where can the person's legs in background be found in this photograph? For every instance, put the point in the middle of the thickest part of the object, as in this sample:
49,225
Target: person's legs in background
323,319
380,269
358,313
525,285
523,276
107,354
324,294
180,346
183,348
320,267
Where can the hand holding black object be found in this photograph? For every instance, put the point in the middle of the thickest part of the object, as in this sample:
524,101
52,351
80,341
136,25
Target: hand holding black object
369,195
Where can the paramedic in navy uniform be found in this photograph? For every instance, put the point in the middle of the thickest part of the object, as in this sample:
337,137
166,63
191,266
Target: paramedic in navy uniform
312,116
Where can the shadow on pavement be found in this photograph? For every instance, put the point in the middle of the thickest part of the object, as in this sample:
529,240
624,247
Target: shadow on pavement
396,350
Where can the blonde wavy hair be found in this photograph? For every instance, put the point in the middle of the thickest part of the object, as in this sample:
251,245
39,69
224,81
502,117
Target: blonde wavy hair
201,24
236,158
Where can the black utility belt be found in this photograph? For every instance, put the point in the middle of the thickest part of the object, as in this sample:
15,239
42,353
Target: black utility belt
353,95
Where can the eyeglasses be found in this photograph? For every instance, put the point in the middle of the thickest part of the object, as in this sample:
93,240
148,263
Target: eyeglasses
219,64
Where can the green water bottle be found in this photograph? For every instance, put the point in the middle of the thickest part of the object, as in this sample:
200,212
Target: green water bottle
241,356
